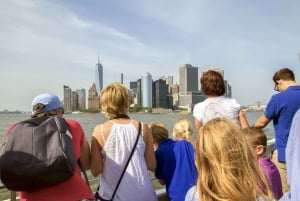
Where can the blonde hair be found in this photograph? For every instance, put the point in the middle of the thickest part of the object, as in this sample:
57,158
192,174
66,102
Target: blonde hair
226,166
114,100
183,129
158,131
255,137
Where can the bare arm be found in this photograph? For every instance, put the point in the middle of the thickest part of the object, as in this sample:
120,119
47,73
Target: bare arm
85,157
262,122
149,152
162,182
198,125
243,119
96,157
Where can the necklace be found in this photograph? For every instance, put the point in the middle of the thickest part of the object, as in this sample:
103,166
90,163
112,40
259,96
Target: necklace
120,116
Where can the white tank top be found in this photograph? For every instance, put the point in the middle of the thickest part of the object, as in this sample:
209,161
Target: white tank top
136,183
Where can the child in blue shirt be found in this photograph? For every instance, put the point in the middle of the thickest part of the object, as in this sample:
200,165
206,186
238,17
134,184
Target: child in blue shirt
175,162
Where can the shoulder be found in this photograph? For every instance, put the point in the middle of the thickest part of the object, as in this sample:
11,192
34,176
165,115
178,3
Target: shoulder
183,143
72,122
192,194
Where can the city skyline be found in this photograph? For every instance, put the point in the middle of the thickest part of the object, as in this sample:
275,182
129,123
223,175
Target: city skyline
48,44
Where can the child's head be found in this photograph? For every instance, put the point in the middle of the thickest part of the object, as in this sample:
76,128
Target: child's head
159,132
226,165
256,140
183,129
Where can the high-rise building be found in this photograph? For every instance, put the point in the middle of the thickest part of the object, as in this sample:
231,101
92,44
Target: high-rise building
93,98
188,78
146,90
160,93
67,98
139,92
220,70
122,78
81,99
169,81
99,76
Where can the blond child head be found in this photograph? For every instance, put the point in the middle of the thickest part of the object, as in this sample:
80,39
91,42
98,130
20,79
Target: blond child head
227,168
256,140
183,129
159,132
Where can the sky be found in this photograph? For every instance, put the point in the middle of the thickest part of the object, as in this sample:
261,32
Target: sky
47,44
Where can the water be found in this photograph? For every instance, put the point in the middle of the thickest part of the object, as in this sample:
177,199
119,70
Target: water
89,120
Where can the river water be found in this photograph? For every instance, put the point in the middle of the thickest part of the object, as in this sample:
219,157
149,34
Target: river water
89,120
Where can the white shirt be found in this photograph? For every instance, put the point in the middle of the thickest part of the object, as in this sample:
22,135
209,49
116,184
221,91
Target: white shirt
215,107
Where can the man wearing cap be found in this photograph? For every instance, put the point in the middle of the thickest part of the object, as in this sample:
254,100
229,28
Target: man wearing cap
75,187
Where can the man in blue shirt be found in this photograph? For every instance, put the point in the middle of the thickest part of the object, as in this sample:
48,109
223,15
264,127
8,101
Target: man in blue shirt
281,109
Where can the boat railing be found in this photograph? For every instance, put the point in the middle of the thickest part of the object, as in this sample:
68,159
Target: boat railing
160,193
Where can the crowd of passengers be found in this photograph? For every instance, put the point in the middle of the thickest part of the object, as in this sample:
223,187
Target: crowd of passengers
218,157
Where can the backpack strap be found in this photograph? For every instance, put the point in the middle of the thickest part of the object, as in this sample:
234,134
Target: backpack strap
84,174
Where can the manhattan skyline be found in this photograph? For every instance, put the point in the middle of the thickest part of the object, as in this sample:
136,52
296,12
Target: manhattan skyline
48,44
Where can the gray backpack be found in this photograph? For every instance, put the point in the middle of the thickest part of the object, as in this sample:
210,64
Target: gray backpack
37,152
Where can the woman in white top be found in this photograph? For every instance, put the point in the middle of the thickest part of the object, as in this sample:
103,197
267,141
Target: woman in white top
226,167
216,104
112,143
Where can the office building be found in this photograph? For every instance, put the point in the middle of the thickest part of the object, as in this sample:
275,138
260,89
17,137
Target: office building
99,76
67,98
169,81
188,78
160,93
81,99
93,98
146,90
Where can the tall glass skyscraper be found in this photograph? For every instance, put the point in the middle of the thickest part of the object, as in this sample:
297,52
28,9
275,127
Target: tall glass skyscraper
99,76
147,90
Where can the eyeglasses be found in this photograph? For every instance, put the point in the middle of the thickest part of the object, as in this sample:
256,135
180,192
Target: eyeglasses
276,87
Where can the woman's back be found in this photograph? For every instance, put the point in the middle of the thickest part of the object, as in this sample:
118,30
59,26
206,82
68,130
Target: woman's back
136,183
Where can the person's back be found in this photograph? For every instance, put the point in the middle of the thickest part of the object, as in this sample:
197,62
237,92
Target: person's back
226,167
136,178
257,142
175,162
216,104
281,109
113,142
293,161
75,187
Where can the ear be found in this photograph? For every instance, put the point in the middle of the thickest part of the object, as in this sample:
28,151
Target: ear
260,150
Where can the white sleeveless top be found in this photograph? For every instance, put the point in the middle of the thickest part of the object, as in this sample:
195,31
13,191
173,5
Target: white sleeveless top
136,183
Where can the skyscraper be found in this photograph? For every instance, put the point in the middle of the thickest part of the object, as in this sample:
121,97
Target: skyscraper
188,78
99,76
147,90
67,98
81,99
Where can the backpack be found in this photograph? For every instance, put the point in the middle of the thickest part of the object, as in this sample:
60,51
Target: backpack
37,152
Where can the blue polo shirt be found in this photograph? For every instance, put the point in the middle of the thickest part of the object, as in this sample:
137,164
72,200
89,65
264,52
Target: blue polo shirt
176,166
281,109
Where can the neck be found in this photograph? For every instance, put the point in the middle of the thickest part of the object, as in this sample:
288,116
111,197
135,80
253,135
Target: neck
121,116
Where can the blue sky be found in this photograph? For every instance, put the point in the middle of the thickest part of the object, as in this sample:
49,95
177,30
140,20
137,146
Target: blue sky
47,44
